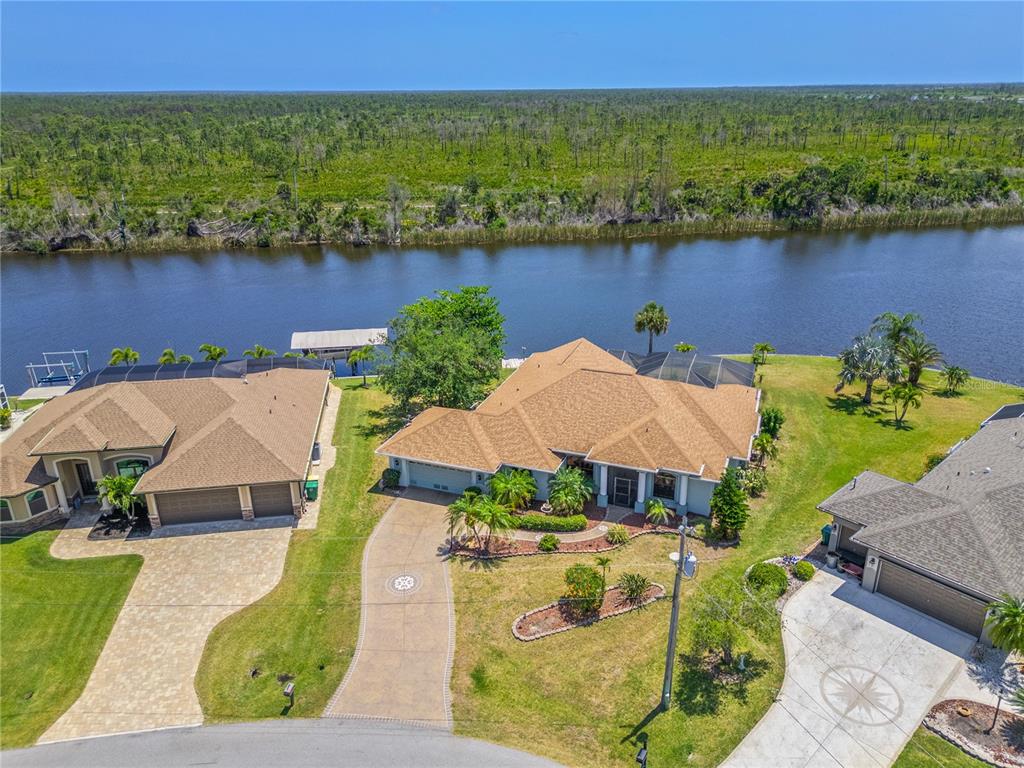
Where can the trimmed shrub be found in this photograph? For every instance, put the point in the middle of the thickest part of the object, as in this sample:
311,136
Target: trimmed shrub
548,543
534,521
617,534
803,570
584,589
390,477
5,418
473,490
634,586
768,577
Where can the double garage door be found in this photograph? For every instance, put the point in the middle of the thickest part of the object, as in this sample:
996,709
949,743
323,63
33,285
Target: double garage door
222,504
932,598
439,478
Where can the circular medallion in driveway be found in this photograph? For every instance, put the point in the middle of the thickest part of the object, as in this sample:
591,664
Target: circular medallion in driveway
403,584
861,695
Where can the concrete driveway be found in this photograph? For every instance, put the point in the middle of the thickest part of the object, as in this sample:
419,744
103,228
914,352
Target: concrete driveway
402,665
861,673
192,577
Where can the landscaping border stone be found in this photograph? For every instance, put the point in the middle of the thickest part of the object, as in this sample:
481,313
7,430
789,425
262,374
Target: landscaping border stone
585,622
958,740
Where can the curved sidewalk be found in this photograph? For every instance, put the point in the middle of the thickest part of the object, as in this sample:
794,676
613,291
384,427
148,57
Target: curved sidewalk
402,664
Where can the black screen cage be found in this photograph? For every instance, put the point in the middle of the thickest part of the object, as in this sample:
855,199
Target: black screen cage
202,369
689,367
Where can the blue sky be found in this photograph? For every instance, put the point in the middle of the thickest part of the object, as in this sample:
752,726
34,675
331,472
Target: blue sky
128,46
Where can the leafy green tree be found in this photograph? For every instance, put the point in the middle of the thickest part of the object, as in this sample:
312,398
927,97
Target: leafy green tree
584,589
766,448
729,508
569,489
123,356
514,488
868,358
257,351
682,346
761,351
117,491
903,397
955,378
896,328
653,320
365,354
772,419
656,512
1005,623
917,352
213,353
724,614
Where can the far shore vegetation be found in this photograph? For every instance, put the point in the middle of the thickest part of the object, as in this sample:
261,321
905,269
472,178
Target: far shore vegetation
142,172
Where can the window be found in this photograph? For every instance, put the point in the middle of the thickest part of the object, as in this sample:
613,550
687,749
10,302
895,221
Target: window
665,485
132,467
5,512
37,502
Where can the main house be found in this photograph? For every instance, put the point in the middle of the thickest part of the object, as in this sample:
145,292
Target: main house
663,426
950,543
208,441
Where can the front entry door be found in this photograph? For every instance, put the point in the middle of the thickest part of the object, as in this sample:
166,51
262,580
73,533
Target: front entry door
85,479
624,493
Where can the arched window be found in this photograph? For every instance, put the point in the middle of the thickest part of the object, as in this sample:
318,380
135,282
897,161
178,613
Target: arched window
37,502
5,512
132,467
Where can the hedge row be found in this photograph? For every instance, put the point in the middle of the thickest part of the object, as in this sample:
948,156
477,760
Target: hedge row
534,521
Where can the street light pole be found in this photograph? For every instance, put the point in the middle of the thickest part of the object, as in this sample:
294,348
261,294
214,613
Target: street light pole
670,655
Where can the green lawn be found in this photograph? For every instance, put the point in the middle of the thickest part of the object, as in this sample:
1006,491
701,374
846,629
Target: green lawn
21,404
56,617
579,697
308,625
926,750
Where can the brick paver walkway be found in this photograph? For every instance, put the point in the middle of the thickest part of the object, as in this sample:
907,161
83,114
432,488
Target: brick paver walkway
402,665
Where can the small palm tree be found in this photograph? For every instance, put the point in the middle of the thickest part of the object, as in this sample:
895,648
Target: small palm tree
117,491
917,352
682,346
123,356
514,488
896,328
492,516
766,448
364,355
653,319
903,397
258,351
657,512
955,378
868,358
605,564
1005,623
460,514
168,357
569,490
761,351
213,353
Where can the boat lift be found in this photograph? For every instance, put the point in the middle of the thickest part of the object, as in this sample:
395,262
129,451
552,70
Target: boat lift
59,368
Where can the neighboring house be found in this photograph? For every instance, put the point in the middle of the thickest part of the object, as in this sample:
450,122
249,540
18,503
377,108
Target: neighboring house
208,441
637,435
953,541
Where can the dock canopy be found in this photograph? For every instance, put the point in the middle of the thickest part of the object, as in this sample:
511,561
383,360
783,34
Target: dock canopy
337,343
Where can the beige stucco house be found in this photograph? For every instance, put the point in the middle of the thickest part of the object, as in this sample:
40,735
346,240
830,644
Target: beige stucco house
225,445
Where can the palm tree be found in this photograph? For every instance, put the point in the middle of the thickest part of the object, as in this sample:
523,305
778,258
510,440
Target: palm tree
460,514
212,352
258,350
868,358
766,448
604,563
168,357
185,359
896,328
653,319
493,516
761,351
955,378
682,346
569,490
123,356
917,352
903,396
364,355
514,488
657,512
1005,623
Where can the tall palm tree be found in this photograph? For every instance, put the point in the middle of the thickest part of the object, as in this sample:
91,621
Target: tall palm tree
365,354
258,350
761,351
917,352
955,378
168,357
123,356
1005,623
896,328
492,516
653,319
903,396
213,353
868,358
513,488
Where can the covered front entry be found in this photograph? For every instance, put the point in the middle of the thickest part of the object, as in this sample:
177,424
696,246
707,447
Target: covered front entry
622,486
439,478
199,506
932,598
271,500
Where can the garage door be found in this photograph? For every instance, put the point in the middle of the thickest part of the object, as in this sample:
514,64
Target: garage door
928,596
439,478
199,506
270,500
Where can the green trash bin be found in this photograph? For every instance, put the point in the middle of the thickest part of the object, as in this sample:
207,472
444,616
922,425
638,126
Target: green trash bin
312,489
826,533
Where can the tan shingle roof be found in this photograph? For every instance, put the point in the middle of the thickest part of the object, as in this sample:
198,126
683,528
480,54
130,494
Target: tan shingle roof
577,398
222,431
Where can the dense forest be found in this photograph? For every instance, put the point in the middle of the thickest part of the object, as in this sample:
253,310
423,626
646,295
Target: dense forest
152,170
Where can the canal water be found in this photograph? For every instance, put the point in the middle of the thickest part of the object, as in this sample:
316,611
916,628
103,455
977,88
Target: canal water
804,292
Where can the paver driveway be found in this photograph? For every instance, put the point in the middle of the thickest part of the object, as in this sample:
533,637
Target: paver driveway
402,665
192,577
861,673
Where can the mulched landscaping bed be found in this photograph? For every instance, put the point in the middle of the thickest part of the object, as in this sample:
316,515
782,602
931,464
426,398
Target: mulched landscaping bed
557,617
1003,747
